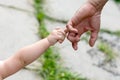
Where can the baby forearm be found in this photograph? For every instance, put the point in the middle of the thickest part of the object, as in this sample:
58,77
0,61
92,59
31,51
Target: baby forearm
29,54
98,4
23,57
32,52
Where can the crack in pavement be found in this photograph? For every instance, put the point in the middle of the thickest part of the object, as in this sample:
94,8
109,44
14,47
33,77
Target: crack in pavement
15,8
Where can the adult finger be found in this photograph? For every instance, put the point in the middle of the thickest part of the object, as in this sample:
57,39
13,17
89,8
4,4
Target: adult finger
75,45
74,40
93,38
73,37
70,28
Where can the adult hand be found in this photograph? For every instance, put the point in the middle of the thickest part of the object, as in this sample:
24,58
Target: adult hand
87,18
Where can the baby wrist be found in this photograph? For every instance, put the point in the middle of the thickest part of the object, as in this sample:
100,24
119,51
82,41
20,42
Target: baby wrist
51,40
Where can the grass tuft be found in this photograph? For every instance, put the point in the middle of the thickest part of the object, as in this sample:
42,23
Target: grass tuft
117,33
51,68
117,1
105,48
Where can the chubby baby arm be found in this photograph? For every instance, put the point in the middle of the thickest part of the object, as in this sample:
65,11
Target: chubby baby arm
29,53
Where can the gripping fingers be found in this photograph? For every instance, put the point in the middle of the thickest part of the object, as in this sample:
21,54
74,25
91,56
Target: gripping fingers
73,37
61,36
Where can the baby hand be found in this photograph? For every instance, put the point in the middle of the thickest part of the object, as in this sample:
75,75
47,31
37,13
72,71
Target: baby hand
57,35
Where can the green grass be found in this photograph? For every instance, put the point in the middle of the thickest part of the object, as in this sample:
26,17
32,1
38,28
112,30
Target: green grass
105,48
117,1
117,33
51,67
51,70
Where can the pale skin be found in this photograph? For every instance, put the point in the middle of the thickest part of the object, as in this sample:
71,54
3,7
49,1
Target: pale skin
29,53
87,18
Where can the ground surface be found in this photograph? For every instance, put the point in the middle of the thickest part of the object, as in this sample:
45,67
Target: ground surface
86,60
18,28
